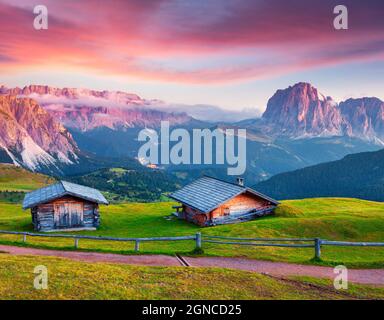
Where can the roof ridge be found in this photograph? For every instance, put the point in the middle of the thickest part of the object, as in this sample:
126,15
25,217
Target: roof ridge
262,195
61,182
222,180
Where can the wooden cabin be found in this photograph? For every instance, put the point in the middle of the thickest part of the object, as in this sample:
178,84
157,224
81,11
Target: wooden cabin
209,201
64,206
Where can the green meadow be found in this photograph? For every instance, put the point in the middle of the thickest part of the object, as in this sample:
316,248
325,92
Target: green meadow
327,218
14,178
70,280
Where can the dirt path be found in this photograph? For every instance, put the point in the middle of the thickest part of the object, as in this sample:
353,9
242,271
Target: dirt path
365,276
143,260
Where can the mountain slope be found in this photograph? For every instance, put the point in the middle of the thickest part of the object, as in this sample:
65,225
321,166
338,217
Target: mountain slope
364,118
121,184
30,136
301,111
13,178
358,175
85,109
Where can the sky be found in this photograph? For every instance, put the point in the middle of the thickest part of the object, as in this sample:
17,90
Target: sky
230,53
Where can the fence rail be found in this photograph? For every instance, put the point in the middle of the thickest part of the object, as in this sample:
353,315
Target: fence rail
76,238
315,243
259,239
262,244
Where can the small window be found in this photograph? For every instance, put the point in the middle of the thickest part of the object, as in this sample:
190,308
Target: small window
226,211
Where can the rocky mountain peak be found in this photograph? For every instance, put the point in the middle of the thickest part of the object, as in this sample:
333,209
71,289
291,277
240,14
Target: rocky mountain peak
364,118
86,109
301,110
30,136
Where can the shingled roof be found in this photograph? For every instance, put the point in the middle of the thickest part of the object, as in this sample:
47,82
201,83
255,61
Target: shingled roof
60,189
206,194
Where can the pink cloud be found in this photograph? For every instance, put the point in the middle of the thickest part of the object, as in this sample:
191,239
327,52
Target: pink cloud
122,37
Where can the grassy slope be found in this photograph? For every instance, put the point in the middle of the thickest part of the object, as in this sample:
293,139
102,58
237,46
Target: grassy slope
14,178
78,280
332,218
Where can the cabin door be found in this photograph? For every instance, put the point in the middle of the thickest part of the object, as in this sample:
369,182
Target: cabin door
68,214
76,214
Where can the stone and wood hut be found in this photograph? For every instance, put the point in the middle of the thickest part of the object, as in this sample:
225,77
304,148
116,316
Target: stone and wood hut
64,206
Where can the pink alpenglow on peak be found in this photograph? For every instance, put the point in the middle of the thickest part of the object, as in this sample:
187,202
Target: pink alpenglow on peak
86,109
30,136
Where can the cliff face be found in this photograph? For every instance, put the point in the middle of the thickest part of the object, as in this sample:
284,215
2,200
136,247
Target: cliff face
301,111
84,118
364,118
85,109
31,137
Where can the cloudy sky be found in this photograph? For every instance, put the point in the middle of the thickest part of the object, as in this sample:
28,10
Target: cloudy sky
230,53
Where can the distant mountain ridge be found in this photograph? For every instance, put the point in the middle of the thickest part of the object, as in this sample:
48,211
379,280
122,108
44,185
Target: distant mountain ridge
301,111
300,127
85,109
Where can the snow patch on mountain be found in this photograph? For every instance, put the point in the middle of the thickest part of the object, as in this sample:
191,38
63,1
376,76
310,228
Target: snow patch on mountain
33,156
31,137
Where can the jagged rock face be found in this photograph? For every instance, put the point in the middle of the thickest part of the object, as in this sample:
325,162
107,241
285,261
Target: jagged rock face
31,137
364,118
85,109
87,118
301,110
75,93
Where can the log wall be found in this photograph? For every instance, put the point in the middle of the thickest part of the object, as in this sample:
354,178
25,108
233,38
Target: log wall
195,216
242,203
44,216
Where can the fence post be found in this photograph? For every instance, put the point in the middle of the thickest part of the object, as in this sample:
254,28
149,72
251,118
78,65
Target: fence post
24,237
137,245
318,248
76,243
198,240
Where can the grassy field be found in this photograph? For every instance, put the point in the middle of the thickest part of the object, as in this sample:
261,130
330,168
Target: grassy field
327,218
14,178
79,280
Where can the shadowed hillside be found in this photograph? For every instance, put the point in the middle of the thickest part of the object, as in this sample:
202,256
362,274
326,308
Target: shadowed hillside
358,175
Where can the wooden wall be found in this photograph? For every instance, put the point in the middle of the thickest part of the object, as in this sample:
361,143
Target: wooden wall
194,215
44,216
240,204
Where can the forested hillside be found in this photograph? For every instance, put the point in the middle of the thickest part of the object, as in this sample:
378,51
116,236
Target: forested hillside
358,175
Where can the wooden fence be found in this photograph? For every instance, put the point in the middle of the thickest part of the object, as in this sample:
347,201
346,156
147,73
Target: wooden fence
315,243
199,239
76,238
